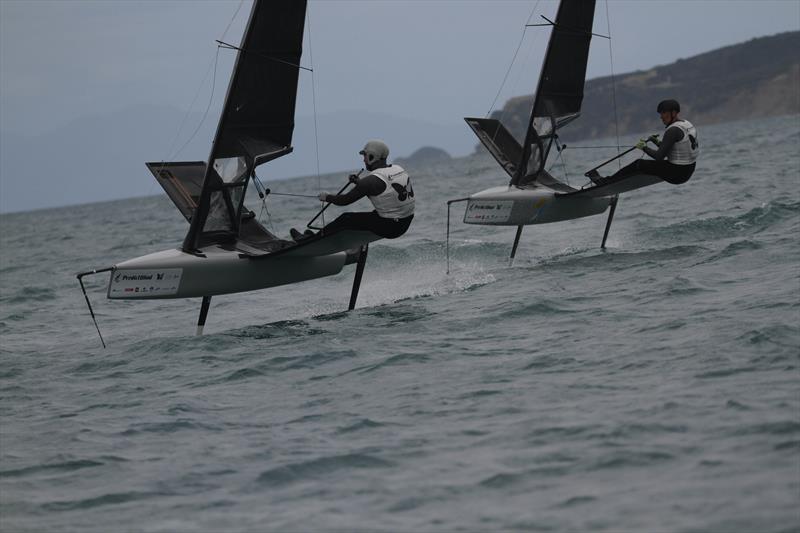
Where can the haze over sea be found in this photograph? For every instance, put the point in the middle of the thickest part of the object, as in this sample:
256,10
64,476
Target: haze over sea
653,386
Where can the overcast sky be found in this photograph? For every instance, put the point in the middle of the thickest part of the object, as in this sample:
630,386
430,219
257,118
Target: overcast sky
436,61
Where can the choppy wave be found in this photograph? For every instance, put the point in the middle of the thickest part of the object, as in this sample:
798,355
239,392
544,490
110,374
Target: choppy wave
651,385
320,467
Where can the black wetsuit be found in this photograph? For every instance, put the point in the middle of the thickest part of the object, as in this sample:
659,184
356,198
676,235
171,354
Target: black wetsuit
659,166
388,228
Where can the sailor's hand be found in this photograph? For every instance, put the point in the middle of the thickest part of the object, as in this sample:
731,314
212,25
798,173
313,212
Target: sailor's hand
640,145
654,139
323,197
353,178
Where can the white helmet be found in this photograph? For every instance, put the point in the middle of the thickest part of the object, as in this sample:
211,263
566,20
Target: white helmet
375,150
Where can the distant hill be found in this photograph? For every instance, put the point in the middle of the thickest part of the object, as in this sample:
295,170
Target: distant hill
427,155
757,78
102,157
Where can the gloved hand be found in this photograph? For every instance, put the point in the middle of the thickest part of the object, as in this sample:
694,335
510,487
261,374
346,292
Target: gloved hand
353,178
640,145
323,197
654,139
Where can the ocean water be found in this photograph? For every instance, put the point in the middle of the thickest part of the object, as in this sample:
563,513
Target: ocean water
653,386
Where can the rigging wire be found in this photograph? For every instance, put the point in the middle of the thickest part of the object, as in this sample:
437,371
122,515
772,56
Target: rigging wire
208,107
314,104
515,87
315,196
560,149
589,147
263,192
510,66
269,216
173,155
613,82
224,33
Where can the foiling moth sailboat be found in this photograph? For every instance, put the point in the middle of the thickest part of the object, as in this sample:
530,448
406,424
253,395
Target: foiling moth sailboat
534,196
226,249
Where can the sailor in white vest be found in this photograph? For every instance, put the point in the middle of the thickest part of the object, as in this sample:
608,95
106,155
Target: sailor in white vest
674,161
389,189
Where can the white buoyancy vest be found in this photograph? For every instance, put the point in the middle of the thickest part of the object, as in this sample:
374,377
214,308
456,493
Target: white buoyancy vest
397,200
685,151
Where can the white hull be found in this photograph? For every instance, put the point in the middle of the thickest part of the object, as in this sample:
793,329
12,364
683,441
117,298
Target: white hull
176,274
512,206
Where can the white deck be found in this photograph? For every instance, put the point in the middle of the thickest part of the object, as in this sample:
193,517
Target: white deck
512,206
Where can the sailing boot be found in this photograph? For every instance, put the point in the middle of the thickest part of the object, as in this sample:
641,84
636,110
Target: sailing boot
297,236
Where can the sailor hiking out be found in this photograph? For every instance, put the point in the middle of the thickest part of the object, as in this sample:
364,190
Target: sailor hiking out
389,189
674,160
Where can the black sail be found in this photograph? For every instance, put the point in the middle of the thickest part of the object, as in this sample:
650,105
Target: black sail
560,91
257,119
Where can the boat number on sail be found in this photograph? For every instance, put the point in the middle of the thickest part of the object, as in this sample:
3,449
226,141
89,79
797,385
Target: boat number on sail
488,211
144,283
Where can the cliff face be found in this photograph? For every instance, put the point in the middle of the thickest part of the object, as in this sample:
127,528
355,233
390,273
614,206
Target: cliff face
757,78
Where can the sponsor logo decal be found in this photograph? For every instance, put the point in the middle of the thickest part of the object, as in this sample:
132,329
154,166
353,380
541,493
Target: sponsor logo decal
135,283
136,277
488,211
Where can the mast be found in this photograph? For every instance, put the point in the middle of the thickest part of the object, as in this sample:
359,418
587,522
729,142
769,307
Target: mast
559,92
257,119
